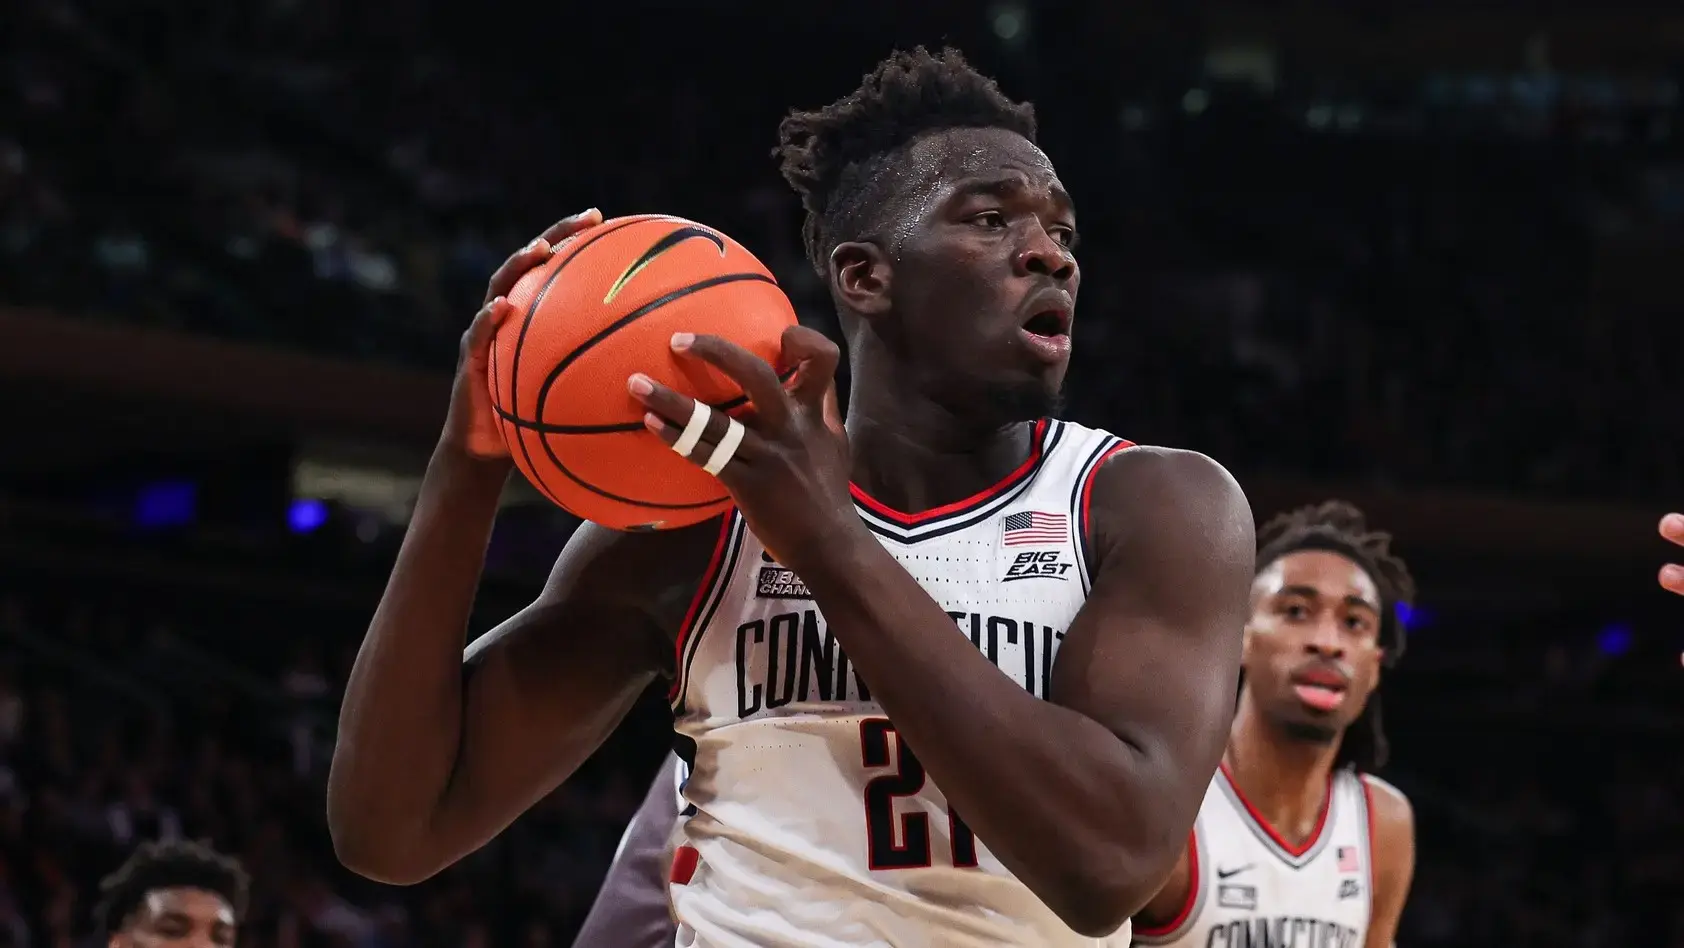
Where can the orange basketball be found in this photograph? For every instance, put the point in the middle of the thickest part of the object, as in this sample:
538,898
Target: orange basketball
603,307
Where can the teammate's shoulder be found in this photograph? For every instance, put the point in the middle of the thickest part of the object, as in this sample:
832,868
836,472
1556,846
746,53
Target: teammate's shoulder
1387,804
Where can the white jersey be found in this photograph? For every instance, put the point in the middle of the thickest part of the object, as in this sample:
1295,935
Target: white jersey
1250,887
807,823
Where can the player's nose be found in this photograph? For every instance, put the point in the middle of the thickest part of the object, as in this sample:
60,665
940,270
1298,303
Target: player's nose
1043,255
1325,639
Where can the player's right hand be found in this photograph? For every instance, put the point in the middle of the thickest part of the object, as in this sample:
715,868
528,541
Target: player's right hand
471,426
1672,574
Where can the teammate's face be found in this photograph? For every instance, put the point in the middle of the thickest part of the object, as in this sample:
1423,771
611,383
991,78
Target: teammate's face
179,918
980,280
1312,647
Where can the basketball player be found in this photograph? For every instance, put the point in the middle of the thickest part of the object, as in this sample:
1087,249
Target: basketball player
882,749
1274,850
1297,843
1672,574
176,893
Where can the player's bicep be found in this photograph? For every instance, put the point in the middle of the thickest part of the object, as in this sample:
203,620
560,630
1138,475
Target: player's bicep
1154,653
543,689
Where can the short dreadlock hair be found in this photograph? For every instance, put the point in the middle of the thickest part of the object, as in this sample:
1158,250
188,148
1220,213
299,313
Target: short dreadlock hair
1340,527
835,157
176,864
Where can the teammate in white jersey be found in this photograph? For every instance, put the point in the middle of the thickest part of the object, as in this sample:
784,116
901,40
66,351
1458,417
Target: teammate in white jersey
930,560
1297,843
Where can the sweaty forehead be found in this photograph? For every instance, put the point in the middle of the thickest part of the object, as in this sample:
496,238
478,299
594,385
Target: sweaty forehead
956,154
1331,575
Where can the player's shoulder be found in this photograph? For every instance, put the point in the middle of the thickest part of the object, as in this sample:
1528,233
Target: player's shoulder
1125,464
1158,485
1388,806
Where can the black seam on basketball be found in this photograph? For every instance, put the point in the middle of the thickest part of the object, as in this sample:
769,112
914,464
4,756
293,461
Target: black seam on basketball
491,371
520,343
618,426
672,239
633,316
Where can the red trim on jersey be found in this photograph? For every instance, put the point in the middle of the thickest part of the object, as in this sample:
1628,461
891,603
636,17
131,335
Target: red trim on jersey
685,859
709,576
1373,860
1180,919
959,506
1087,492
1256,817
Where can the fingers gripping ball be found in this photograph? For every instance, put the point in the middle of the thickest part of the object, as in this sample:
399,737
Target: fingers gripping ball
605,306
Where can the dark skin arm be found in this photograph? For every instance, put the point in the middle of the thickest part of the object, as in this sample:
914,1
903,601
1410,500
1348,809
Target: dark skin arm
1166,904
1394,859
633,910
1118,759
438,753
1142,693
434,759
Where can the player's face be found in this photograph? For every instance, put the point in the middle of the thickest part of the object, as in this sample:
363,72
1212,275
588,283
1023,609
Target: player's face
983,279
1312,647
179,918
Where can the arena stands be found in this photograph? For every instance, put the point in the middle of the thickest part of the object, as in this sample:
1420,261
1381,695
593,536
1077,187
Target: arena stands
1381,285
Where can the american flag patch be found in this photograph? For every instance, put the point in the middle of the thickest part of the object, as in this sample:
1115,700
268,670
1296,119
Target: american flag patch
1034,528
1347,857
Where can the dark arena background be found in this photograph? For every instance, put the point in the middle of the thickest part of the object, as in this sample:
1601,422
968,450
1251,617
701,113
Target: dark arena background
1425,257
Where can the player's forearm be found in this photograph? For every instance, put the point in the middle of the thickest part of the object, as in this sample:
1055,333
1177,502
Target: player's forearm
400,724
1057,797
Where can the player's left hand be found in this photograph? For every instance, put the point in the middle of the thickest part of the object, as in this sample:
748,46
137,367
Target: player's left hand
787,464
1672,574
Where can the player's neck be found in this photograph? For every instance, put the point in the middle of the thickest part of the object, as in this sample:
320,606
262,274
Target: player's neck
1284,777
915,455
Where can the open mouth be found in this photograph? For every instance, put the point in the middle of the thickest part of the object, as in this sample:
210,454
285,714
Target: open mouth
1321,690
1048,324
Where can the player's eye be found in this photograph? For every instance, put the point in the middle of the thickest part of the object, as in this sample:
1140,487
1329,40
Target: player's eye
990,219
1296,611
1065,236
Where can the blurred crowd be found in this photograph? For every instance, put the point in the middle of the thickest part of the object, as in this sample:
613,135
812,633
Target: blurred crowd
1391,299
121,724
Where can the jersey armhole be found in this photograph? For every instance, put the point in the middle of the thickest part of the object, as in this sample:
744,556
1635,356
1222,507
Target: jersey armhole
709,589
1368,829
1081,499
1184,918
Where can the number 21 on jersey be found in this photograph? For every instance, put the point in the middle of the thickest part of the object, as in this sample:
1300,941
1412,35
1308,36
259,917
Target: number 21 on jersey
904,842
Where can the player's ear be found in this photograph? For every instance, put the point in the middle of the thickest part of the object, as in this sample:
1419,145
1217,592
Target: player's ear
859,274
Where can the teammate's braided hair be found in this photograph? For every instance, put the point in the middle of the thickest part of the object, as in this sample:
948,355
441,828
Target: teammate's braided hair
1339,527
835,157
177,864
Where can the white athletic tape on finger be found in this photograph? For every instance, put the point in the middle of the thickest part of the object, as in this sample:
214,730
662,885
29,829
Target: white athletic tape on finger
726,448
699,415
